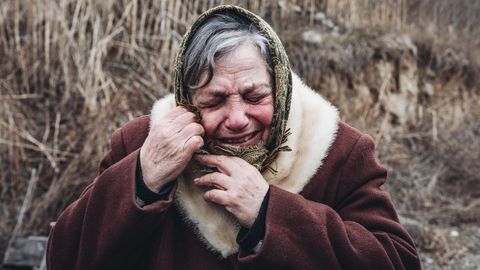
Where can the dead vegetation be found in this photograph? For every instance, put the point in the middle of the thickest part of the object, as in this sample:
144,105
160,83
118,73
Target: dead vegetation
71,72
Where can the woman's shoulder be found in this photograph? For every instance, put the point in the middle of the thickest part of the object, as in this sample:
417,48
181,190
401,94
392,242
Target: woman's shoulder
349,143
346,137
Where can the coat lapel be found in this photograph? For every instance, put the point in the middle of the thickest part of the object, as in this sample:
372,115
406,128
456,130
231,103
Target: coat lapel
313,122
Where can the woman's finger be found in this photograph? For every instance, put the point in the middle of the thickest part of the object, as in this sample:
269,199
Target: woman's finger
192,129
216,180
217,196
193,144
224,164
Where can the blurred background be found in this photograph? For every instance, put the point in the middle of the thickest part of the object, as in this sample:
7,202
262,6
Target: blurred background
404,71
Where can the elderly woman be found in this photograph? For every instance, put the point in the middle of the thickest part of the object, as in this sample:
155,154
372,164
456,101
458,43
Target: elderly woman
244,168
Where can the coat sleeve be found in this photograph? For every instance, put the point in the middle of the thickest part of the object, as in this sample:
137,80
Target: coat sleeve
105,228
361,231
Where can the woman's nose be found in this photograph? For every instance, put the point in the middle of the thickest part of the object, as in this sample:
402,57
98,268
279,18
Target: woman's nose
237,118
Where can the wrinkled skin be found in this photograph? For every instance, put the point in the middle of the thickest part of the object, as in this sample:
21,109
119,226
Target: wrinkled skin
169,147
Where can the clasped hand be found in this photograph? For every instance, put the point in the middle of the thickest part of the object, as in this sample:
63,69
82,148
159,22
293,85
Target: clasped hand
169,147
237,185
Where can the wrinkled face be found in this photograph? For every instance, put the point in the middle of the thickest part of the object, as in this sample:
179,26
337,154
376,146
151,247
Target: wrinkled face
237,105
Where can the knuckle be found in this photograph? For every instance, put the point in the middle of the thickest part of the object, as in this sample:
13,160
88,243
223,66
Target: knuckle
233,195
196,141
160,129
210,195
216,175
231,201
195,128
191,114
187,117
163,135
218,159
213,176
198,128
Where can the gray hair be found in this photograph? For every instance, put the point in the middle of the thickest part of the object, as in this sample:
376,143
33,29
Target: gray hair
220,35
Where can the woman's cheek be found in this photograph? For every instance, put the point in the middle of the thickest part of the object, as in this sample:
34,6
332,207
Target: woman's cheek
263,113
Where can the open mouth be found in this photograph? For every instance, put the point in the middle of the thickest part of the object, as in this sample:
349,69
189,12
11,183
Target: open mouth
247,140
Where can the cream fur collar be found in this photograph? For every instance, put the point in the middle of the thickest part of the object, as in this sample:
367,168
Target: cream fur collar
313,122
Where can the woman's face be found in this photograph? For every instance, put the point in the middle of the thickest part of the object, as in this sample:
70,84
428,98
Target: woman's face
237,105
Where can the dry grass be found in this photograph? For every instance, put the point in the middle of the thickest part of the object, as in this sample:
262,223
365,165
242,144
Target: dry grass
71,72
445,21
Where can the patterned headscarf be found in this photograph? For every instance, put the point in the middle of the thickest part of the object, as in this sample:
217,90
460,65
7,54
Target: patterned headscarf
259,156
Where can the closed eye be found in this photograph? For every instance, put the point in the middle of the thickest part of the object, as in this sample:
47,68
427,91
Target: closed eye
211,104
256,96
254,99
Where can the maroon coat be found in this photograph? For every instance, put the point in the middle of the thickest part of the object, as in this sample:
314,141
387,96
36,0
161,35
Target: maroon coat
340,220
325,208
